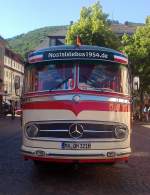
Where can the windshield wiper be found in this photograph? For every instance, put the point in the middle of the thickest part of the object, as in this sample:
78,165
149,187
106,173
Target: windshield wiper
59,84
105,89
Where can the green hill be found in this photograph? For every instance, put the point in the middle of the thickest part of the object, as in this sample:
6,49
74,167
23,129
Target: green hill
27,42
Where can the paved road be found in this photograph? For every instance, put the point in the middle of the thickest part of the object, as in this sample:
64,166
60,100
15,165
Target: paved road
18,177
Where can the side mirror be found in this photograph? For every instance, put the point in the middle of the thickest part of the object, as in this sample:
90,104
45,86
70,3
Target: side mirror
136,83
17,82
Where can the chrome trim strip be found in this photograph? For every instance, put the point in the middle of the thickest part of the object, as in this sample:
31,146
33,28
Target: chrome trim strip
75,121
99,140
93,131
74,155
87,131
123,153
28,152
45,130
82,98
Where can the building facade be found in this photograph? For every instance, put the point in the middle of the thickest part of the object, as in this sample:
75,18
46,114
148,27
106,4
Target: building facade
2,51
13,66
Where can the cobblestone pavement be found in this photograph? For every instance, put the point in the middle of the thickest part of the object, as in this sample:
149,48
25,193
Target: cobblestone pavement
18,177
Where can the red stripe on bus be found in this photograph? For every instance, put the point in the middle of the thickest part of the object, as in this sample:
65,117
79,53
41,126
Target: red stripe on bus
75,160
78,107
121,61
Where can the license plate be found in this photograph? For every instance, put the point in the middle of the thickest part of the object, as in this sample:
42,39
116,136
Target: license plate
75,146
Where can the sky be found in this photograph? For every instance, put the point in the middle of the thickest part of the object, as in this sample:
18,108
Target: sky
22,16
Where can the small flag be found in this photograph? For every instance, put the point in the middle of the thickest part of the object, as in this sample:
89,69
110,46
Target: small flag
78,41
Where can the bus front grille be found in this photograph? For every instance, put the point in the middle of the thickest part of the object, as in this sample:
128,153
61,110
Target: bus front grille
69,130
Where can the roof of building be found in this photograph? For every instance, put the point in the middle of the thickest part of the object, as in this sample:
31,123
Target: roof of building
3,40
122,29
13,55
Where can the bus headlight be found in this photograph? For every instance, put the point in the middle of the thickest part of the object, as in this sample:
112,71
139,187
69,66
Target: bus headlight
32,130
121,132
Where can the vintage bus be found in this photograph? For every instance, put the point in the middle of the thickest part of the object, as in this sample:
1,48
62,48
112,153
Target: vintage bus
76,105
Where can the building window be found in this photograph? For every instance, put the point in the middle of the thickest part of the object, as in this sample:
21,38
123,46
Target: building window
5,60
1,53
9,62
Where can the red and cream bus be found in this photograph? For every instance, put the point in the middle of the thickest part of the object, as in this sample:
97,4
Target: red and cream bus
76,105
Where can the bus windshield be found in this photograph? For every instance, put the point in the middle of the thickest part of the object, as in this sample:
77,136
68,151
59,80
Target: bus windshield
105,77
48,77
94,76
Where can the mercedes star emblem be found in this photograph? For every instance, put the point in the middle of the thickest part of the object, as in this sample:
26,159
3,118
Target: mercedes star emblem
76,130
76,98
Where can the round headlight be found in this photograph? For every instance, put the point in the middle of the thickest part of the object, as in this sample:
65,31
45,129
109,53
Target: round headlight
32,130
121,132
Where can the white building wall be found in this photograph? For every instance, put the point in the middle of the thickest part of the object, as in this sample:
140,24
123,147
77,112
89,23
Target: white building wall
11,69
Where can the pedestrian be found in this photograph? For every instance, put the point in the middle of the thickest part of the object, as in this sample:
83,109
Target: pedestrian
146,112
12,108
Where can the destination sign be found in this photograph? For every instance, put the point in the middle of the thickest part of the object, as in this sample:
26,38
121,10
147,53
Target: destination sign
78,54
75,53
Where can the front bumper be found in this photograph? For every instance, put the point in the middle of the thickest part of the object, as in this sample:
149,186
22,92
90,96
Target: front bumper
79,156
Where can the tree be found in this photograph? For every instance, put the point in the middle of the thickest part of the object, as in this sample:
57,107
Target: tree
137,47
93,28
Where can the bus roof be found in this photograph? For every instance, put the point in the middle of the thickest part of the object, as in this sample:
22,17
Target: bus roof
74,52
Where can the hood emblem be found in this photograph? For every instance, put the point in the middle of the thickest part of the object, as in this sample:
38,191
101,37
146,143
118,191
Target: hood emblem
76,130
76,98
